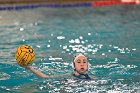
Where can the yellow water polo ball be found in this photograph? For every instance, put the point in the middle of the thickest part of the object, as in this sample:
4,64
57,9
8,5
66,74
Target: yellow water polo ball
25,55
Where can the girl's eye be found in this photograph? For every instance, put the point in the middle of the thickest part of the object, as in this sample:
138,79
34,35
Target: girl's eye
78,62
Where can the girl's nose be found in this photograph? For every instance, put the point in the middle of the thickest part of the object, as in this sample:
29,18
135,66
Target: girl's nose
82,64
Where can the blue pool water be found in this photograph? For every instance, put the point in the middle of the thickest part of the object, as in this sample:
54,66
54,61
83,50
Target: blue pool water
109,36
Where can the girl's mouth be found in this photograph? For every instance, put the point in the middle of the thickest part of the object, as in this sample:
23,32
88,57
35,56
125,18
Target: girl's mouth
82,69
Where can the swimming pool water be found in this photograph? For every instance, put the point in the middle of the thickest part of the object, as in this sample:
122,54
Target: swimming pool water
109,36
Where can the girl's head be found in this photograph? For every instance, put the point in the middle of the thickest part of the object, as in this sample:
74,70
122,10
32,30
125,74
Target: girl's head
80,63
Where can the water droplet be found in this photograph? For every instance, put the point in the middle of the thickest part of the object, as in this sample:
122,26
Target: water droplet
89,34
81,37
103,54
49,41
23,40
21,29
38,46
51,34
60,37
71,41
48,45
64,47
77,41
82,42
134,49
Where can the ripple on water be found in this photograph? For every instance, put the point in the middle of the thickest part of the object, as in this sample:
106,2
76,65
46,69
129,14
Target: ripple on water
4,76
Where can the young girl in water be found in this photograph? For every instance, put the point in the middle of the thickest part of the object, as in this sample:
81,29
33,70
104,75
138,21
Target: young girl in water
80,65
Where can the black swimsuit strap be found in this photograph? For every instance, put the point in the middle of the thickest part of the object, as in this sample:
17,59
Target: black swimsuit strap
82,76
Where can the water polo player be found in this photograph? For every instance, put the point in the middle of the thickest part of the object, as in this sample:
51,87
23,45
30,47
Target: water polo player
80,66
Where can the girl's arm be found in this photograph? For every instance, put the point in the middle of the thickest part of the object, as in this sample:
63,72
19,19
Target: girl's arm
38,73
42,75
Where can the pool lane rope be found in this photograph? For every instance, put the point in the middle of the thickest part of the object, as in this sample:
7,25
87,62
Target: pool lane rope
85,4
32,6
113,2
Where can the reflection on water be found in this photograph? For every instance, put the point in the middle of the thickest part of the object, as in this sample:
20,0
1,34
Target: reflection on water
108,36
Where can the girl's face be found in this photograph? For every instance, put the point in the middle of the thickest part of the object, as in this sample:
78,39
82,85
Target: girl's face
81,64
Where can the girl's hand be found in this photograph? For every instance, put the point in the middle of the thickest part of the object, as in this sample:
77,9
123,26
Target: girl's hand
25,66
